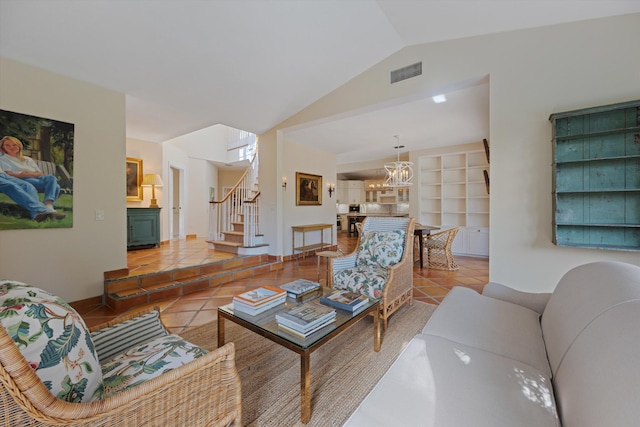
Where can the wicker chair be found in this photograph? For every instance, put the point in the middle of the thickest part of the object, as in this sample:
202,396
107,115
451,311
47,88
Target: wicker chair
359,228
205,391
398,287
438,249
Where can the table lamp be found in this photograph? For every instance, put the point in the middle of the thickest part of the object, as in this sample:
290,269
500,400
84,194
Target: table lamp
151,180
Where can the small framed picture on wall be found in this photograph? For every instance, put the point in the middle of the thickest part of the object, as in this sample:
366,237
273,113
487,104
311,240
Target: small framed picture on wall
308,189
134,179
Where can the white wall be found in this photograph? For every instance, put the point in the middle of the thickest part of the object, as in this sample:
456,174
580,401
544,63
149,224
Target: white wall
70,262
300,158
533,73
202,175
208,143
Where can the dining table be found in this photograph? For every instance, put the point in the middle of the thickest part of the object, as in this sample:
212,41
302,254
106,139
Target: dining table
421,231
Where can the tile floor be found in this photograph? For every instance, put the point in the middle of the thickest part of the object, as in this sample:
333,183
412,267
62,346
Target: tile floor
201,307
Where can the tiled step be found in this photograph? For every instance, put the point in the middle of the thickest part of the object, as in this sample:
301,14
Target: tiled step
239,248
131,291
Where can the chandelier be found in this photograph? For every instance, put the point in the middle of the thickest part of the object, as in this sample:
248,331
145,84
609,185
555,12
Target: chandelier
399,174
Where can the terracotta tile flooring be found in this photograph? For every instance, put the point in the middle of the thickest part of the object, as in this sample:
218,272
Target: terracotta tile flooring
201,307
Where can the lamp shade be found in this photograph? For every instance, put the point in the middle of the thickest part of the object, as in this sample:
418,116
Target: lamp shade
152,179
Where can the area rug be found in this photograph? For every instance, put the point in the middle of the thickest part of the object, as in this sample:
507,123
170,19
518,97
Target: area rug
343,370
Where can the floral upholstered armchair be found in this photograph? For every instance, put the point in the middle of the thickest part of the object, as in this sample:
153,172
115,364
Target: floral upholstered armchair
130,372
381,265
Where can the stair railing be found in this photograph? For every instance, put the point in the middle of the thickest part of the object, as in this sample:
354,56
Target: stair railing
240,204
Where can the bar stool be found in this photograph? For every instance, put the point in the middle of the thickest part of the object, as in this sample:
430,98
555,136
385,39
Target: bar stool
328,255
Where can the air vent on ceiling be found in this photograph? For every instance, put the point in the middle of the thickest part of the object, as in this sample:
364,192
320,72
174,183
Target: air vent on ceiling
407,72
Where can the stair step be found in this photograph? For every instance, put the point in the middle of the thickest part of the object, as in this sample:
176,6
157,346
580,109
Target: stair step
129,292
226,243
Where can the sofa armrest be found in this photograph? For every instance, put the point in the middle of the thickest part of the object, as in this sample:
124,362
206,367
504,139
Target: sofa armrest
205,391
536,302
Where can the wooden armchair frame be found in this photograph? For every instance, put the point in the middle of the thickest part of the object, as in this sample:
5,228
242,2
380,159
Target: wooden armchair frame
399,287
205,391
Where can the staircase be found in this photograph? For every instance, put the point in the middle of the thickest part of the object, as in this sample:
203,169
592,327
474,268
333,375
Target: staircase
234,220
233,241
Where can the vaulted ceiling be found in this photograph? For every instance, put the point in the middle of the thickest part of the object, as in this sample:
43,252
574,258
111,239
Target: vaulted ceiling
188,64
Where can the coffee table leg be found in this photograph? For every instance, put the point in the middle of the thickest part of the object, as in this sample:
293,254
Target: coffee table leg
220,331
305,387
376,329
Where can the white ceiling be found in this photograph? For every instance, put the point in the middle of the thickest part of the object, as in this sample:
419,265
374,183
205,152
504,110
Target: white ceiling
419,124
188,64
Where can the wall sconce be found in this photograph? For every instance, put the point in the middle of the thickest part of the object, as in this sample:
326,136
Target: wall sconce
284,182
152,180
332,188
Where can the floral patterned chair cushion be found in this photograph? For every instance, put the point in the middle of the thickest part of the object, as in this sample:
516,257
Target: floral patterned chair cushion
365,280
53,339
147,361
381,248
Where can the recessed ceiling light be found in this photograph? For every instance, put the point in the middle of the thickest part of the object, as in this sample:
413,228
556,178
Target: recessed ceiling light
439,98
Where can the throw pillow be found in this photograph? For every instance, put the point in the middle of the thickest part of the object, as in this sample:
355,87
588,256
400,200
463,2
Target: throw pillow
53,339
381,248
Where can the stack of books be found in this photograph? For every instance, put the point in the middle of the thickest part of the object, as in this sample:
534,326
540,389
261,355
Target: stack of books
259,300
305,319
345,300
299,288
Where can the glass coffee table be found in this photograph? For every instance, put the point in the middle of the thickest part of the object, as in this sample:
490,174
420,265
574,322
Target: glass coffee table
265,324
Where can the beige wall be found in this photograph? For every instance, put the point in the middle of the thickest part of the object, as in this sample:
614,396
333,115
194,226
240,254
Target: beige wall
301,158
533,73
70,262
227,178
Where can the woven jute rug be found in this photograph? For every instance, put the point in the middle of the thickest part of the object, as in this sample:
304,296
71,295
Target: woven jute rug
343,370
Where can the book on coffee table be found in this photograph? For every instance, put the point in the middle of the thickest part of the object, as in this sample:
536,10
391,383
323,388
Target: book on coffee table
345,300
305,317
309,332
300,287
258,300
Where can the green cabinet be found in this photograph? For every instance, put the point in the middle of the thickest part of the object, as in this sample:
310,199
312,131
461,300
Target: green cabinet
143,227
596,177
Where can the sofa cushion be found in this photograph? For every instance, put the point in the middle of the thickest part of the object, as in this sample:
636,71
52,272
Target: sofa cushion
53,339
437,382
581,295
147,361
598,382
380,248
492,325
118,338
365,280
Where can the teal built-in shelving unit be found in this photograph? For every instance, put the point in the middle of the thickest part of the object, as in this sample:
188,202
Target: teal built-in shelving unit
596,177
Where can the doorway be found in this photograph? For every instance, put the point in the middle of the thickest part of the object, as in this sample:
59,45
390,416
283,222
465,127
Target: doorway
176,201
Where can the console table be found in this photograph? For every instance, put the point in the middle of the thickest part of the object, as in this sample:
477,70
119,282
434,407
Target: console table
304,229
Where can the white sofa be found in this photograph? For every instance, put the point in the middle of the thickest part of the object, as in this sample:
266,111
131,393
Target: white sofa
508,358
